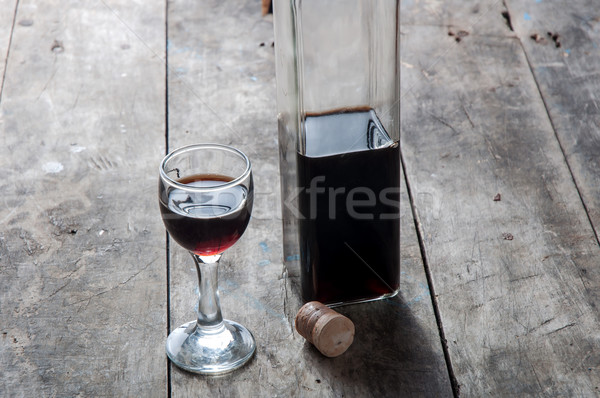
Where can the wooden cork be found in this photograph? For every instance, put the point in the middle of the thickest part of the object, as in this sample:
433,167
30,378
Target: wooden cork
267,7
328,330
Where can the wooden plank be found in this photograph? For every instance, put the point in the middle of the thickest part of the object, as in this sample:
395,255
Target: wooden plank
474,17
7,15
82,276
566,69
222,88
516,279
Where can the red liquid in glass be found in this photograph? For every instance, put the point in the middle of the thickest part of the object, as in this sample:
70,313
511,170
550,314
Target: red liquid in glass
206,223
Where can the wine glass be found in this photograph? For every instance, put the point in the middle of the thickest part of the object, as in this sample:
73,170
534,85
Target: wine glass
205,196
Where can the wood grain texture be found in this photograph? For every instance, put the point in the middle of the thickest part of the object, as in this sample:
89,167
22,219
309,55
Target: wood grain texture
222,89
82,277
7,16
566,69
508,242
471,16
516,278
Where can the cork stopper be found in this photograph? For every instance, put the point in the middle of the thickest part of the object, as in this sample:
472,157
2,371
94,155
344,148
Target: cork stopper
329,331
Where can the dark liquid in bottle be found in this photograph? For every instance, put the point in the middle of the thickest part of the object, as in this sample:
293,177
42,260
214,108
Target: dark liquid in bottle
350,234
206,223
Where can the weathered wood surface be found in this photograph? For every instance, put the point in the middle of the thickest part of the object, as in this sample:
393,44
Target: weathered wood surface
516,279
471,16
83,289
82,275
222,89
83,266
7,16
567,70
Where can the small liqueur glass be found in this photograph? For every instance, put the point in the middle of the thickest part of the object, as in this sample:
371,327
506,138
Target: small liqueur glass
206,195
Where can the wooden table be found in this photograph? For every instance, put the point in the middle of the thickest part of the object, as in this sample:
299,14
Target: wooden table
500,291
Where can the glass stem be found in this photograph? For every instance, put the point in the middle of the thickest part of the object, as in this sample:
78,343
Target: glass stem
209,308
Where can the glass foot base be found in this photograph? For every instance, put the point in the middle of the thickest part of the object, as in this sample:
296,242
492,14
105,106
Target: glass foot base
210,351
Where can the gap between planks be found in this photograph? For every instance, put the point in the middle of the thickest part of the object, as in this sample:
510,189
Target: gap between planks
554,130
12,30
167,245
436,311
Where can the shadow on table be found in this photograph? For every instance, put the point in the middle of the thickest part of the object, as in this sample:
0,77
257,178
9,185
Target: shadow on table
392,354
